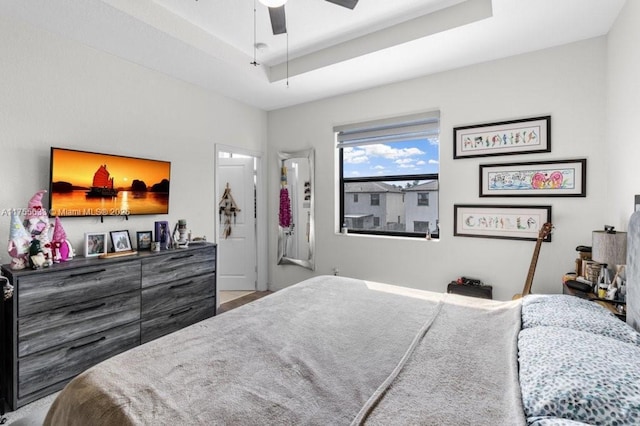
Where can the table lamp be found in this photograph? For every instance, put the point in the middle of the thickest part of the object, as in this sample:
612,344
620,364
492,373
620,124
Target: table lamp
609,249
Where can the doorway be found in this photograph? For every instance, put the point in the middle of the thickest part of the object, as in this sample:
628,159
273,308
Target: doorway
240,237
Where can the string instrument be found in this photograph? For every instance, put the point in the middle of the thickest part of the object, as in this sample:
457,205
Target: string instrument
544,233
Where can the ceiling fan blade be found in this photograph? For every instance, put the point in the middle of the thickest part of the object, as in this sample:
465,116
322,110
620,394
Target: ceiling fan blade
350,4
278,21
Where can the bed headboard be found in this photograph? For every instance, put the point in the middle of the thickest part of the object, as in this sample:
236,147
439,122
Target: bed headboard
633,271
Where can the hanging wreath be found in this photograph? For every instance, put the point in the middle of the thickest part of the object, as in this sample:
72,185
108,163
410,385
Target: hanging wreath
285,201
227,207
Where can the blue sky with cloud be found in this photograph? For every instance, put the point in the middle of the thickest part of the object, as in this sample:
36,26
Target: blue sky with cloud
392,159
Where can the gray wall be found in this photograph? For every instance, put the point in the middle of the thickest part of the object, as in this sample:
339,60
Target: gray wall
567,83
622,141
57,92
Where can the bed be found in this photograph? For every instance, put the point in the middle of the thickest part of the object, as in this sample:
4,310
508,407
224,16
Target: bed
341,351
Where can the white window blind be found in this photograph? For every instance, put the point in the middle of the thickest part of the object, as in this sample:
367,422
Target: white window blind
409,127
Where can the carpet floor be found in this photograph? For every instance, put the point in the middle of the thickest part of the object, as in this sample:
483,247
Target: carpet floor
32,414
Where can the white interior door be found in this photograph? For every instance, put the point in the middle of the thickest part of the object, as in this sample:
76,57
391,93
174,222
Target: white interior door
237,253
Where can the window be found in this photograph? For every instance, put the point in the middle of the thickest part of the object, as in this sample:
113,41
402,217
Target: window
396,163
419,226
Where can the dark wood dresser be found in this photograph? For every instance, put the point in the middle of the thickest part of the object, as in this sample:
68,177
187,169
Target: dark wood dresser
66,318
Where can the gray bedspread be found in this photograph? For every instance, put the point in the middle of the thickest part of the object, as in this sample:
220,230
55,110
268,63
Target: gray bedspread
327,351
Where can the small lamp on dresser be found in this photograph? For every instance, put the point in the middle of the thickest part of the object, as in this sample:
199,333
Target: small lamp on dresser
610,250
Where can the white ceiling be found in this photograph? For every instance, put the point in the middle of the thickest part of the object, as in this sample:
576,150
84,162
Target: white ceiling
331,49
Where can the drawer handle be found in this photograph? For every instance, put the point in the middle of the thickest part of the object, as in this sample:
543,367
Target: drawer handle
184,311
79,274
180,285
73,348
181,257
89,308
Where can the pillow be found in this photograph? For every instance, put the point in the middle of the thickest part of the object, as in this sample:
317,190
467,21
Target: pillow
552,421
561,300
579,376
560,310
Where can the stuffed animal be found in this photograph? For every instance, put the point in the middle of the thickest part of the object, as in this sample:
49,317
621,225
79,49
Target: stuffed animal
60,246
19,241
37,258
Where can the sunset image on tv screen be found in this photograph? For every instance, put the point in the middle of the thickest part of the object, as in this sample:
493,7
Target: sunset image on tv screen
92,184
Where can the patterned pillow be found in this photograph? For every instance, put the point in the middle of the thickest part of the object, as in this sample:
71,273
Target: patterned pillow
561,300
572,312
579,376
552,421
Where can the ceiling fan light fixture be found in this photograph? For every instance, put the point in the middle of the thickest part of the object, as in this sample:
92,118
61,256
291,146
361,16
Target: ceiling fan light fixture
273,3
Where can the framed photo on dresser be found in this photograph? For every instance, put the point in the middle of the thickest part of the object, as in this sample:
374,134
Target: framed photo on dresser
95,244
120,241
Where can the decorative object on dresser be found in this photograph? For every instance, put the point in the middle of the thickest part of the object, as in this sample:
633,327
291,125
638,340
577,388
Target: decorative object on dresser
95,244
143,240
120,241
19,240
181,236
66,318
162,234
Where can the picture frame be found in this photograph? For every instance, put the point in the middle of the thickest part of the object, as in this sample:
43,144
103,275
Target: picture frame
120,241
162,228
559,178
95,244
522,136
510,222
143,240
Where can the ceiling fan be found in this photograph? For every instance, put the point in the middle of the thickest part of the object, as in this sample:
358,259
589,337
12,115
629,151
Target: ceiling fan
276,12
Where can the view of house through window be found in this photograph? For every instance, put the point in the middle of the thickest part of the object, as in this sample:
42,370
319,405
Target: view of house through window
389,176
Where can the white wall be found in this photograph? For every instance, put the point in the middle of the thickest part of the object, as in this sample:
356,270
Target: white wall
567,82
623,112
57,92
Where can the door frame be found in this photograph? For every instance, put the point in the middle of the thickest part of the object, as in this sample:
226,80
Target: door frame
261,210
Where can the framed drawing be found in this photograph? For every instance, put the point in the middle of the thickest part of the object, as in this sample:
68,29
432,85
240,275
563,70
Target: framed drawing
143,240
506,222
562,178
120,241
95,244
524,136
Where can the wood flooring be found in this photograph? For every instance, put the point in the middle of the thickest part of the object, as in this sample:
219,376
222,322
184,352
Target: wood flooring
241,301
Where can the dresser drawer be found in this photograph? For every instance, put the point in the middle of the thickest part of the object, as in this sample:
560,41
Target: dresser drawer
51,328
40,292
170,321
176,294
178,264
60,364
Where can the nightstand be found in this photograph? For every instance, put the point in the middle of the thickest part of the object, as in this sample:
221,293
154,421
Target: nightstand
610,305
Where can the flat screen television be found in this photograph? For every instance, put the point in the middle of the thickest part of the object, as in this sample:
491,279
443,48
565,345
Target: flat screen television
85,183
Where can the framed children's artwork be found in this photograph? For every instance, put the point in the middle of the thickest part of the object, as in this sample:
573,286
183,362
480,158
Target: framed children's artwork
560,178
120,241
95,244
524,136
506,222
143,240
